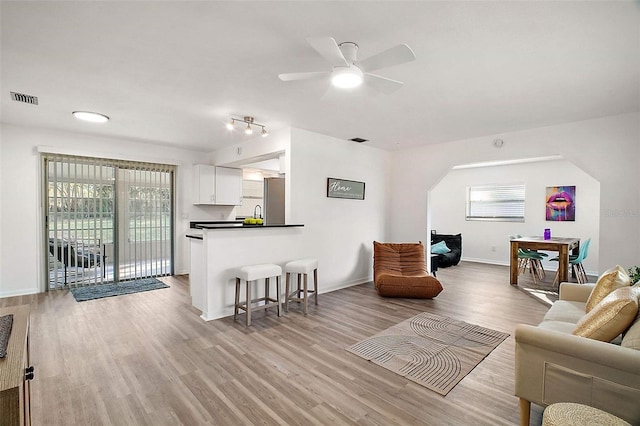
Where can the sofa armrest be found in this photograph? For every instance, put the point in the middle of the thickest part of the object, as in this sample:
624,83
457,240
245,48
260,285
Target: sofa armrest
601,353
575,292
551,366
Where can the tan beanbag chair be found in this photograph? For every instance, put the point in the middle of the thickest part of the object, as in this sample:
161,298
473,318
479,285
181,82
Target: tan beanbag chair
400,270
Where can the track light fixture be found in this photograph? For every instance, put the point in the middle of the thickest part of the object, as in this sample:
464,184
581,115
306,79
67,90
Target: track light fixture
249,129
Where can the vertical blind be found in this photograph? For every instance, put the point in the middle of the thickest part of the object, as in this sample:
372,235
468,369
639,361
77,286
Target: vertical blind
146,225
496,202
107,220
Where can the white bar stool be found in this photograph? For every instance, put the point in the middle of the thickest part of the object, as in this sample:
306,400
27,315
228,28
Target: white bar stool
301,267
253,273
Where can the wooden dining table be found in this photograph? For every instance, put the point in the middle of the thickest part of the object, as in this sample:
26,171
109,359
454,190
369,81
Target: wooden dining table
560,244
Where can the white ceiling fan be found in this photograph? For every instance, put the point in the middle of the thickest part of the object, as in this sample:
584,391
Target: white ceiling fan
347,71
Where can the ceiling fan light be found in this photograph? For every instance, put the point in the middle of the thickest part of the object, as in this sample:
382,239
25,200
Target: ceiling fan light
346,77
92,117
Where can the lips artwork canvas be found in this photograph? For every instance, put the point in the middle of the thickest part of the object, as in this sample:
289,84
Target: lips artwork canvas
561,203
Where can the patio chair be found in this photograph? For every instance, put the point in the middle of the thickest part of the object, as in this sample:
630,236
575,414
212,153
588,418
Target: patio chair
73,255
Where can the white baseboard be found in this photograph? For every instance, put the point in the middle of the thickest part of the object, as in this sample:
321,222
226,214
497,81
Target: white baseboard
339,286
210,316
489,262
24,292
228,311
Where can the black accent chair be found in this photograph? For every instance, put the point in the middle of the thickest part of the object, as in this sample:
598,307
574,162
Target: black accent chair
454,242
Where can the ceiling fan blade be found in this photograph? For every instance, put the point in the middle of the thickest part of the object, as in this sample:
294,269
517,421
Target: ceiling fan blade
382,84
328,49
292,76
390,57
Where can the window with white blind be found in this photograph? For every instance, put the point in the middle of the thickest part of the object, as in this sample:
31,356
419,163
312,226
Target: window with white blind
496,203
107,220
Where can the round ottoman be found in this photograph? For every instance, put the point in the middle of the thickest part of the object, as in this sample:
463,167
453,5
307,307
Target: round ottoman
571,414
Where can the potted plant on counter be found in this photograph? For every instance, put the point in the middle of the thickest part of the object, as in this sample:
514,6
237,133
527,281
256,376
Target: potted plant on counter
634,274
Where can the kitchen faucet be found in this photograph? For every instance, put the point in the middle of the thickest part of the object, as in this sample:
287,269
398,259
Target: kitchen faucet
254,211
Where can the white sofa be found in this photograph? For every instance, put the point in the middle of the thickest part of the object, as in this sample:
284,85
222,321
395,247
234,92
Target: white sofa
552,365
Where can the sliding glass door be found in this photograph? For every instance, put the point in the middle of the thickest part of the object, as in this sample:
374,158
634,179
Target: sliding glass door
145,206
106,220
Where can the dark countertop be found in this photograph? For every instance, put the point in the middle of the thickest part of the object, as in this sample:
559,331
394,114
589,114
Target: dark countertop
196,223
217,226
214,225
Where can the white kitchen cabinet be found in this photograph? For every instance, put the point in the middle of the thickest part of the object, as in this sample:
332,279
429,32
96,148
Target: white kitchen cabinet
253,189
217,185
204,181
228,186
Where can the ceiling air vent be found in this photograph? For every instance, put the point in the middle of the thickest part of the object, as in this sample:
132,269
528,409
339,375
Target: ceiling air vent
27,99
359,140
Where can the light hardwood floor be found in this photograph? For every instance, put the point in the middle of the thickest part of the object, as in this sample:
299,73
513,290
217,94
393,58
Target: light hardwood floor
148,359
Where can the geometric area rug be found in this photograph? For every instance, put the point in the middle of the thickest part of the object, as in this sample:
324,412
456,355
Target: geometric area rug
99,291
433,351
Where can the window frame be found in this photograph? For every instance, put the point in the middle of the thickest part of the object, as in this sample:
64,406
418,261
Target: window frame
496,188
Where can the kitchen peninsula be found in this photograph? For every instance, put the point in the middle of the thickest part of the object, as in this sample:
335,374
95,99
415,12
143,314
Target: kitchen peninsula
218,248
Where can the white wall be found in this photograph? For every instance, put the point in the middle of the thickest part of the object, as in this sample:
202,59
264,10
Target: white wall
1,204
339,232
607,149
21,246
488,241
254,149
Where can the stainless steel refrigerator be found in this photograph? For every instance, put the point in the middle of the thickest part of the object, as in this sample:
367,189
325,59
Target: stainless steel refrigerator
274,201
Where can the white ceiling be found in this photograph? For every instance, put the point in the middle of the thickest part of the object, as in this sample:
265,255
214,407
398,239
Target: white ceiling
175,72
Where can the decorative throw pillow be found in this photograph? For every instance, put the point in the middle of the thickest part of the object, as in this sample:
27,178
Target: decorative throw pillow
631,337
610,317
610,280
440,248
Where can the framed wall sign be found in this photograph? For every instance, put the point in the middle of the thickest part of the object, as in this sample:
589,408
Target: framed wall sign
342,188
